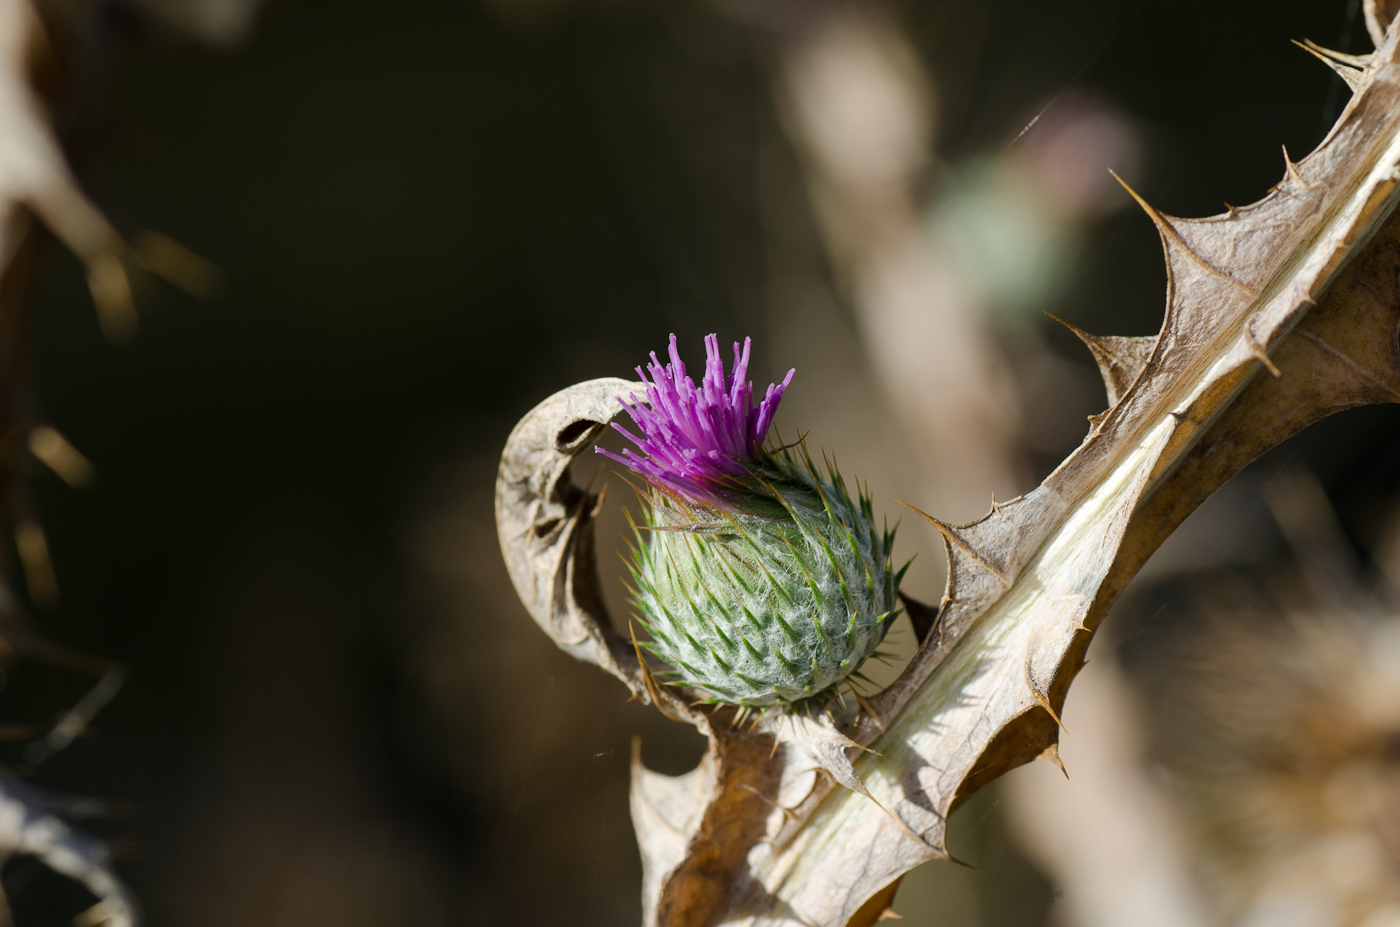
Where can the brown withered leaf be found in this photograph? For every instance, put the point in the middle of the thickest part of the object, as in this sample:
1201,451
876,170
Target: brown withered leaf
1379,14
1120,359
545,524
1277,315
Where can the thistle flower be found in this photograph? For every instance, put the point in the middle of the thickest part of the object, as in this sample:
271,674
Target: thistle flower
757,576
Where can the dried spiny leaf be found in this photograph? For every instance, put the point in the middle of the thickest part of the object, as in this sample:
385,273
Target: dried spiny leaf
1348,67
1120,358
1379,15
545,524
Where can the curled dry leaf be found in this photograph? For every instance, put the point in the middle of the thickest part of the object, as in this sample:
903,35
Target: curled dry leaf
1277,315
545,525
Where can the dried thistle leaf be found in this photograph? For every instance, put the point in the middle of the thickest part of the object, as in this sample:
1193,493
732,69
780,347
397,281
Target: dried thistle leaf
1379,15
545,524
667,812
1120,358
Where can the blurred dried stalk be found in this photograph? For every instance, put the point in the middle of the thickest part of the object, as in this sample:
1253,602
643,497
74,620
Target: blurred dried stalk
1279,745
39,194
46,444
859,107
35,180
222,23
1104,831
1279,750
935,258
1260,785
36,183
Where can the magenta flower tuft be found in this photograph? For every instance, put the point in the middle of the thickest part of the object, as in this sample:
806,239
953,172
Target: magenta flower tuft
695,440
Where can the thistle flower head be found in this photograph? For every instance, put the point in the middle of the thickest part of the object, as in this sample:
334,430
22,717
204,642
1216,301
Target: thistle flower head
696,441
760,580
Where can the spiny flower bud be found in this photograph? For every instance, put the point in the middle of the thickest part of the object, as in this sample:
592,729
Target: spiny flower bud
758,578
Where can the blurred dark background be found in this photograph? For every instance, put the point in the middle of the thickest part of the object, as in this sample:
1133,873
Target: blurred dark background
432,215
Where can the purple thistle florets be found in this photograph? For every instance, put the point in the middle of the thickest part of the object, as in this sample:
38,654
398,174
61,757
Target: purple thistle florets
695,440
758,580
